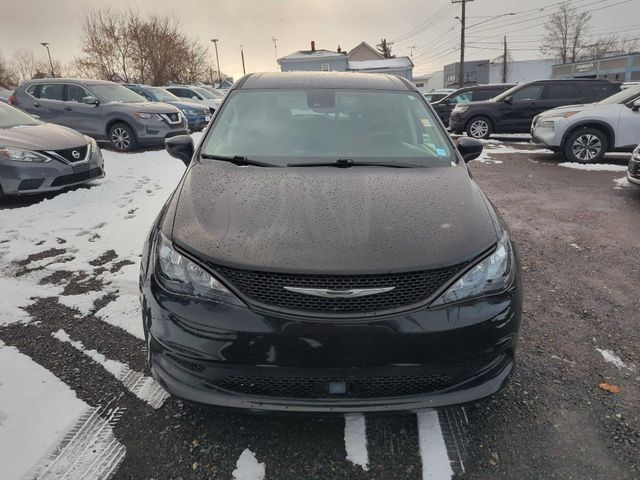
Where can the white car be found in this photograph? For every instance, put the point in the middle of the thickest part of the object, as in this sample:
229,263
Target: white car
198,95
585,133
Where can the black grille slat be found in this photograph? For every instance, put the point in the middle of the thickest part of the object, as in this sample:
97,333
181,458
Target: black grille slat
76,177
67,154
411,288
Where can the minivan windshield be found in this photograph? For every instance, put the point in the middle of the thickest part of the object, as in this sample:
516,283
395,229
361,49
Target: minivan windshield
205,93
623,96
307,126
113,93
12,117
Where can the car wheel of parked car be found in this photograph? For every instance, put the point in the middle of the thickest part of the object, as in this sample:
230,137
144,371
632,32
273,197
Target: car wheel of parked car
122,137
586,145
479,127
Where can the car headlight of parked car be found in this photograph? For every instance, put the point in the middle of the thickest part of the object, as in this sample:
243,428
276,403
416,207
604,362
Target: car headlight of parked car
460,108
191,111
148,116
546,124
93,145
19,155
180,275
492,275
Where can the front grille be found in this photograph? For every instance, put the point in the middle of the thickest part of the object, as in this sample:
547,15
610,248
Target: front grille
267,288
76,177
68,154
30,184
318,387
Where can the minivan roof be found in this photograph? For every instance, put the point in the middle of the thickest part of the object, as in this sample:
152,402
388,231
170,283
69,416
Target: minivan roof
339,80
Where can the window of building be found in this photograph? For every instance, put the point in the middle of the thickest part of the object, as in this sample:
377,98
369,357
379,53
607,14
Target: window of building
325,67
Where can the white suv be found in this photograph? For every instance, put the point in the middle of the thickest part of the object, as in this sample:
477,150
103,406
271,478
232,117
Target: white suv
585,133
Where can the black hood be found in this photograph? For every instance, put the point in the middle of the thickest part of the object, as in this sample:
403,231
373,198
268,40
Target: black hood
332,220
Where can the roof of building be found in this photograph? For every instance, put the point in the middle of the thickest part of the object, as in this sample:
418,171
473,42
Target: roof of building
307,54
385,63
338,80
372,50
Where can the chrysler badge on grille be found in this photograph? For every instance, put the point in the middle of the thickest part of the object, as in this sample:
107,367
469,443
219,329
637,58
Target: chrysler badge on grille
326,293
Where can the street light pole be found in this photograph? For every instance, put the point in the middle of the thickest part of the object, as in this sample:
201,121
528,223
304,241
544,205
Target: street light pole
215,42
244,71
46,45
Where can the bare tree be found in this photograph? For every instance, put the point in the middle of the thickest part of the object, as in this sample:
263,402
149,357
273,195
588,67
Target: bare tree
7,77
603,46
23,63
566,33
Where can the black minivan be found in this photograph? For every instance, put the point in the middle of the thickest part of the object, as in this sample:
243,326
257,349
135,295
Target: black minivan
513,110
327,250
462,96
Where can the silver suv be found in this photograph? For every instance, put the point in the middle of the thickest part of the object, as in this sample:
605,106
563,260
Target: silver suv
103,110
585,133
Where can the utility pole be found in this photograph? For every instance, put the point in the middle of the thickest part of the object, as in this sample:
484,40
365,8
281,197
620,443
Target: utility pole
215,42
463,22
275,46
46,45
504,62
412,48
244,71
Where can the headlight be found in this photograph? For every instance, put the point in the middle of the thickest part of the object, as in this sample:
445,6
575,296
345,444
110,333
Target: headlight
180,275
148,116
547,124
93,145
492,275
192,112
460,108
19,155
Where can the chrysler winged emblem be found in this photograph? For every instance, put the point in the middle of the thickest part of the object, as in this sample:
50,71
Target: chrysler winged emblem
327,293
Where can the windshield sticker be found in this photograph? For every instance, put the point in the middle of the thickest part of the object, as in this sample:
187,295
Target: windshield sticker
441,152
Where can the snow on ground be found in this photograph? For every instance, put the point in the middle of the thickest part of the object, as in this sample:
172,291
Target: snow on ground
114,214
36,409
248,468
621,183
614,359
594,167
355,440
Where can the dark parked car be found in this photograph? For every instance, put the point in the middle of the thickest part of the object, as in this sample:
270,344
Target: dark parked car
633,173
37,157
462,96
328,250
514,110
197,116
100,109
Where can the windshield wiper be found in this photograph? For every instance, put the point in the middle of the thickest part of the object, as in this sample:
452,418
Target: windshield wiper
347,163
237,160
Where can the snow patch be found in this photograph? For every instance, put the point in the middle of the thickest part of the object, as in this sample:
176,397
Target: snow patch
36,409
145,388
355,440
83,302
594,167
18,293
433,450
621,183
611,357
248,468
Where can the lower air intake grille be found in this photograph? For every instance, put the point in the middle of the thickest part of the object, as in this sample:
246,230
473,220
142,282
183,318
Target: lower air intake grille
267,288
318,387
30,184
76,177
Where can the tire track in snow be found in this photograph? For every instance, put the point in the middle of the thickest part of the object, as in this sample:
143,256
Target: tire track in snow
88,451
143,387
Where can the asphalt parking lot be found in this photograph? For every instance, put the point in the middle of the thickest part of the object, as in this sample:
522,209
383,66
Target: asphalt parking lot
577,235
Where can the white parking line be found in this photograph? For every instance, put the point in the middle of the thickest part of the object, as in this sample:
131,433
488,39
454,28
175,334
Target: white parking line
145,388
433,450
355,440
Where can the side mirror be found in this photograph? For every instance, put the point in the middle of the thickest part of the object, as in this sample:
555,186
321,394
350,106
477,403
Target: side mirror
508,100
90,100
180,147
636,106
469,148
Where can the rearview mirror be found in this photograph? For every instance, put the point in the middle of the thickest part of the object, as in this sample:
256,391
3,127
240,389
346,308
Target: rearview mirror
508,100
180,147
469,148
636,105
90,100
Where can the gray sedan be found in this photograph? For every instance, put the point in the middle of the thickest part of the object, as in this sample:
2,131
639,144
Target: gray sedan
38,157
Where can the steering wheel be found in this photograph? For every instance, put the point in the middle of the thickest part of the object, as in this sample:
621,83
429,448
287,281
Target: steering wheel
382,137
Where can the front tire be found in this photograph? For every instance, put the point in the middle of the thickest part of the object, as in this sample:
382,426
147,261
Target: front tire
479,128
122,137
586,145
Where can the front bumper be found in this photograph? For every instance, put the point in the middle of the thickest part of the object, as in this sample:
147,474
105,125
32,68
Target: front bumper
22,178
198,122
154,132
237,357
457,123
633,172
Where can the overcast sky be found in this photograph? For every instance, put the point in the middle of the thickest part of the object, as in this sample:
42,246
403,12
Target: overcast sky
295,23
